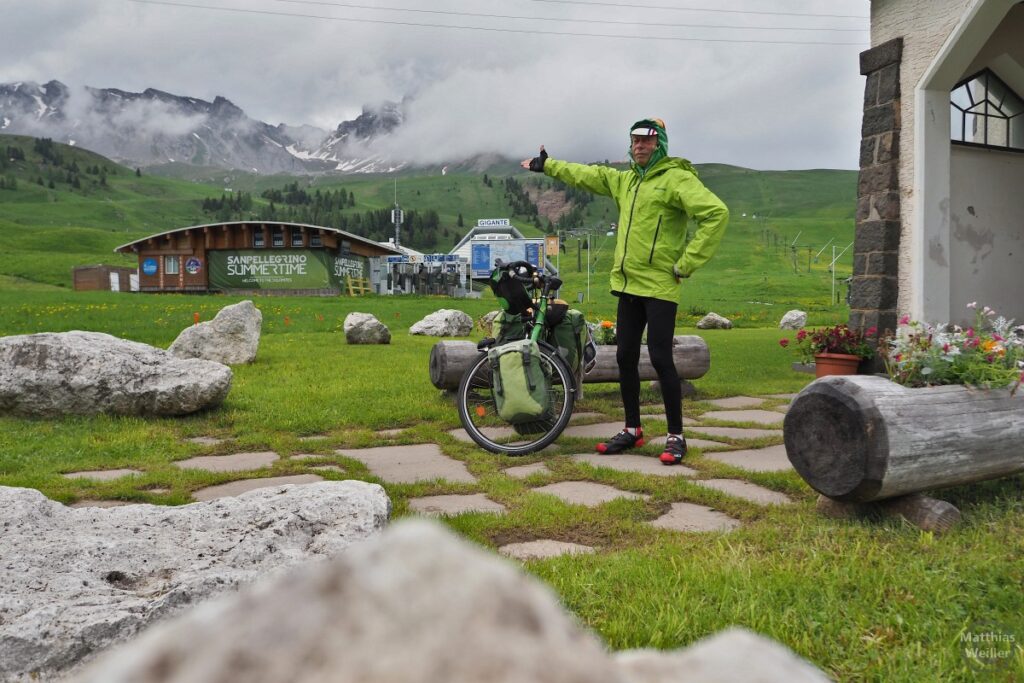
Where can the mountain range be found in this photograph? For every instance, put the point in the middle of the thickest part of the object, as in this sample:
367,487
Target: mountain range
154,128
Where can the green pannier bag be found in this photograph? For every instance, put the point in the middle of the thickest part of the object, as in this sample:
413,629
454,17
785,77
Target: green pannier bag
571,337
521,389
507,327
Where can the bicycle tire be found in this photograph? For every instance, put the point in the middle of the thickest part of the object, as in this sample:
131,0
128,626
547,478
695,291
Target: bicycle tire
479,418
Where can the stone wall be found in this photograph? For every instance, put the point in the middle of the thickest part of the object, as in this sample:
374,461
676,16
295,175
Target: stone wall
875,289
923,26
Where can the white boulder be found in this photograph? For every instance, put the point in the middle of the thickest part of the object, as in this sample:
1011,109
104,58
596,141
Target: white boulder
415,605
444,323
713,321
231,338
90,373
78,580
793,320
364,328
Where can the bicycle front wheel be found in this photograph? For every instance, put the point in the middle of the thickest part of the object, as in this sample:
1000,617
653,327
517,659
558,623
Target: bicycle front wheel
479,416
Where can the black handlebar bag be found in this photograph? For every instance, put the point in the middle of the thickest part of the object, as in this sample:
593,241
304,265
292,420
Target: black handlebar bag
510,292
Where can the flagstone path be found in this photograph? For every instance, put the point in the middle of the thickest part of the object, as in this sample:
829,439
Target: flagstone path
426,464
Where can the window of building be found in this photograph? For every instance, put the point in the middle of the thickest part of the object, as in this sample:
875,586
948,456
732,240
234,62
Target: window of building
346,247
296,238
985,112
277,237
257,240
171,265
315,240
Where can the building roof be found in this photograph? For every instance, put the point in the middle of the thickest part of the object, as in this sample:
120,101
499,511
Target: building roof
130,246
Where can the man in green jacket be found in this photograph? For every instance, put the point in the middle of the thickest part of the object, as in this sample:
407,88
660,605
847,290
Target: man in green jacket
656,197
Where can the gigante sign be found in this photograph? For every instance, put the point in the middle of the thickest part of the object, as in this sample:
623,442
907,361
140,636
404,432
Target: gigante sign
282,269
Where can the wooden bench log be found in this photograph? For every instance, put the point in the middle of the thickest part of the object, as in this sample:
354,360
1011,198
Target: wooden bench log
449,360
863,438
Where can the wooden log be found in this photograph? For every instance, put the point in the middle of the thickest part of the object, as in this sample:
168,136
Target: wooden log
863,438
924,512
449,360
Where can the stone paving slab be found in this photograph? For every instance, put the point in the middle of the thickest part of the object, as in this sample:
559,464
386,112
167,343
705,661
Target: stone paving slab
690,517
770,459
205,440
660,417
737,432
541,548
765,417
586,492
579,417
437,506
388,433
236,462
523,471
781,409
495,433
102,475
737,402
314,437
328,468
311,456
237,488
693,442
746,491
789,397
408,464
626,462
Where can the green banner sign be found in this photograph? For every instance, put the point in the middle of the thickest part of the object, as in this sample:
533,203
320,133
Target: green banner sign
282,269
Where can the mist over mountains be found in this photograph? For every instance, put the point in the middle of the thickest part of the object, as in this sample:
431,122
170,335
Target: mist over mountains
155,128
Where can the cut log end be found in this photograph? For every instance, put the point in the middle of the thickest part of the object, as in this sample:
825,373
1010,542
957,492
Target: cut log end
832,443
924,512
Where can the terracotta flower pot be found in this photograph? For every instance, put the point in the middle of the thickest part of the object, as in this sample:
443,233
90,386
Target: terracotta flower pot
835,364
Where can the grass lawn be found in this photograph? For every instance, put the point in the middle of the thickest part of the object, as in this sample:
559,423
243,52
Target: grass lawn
865,601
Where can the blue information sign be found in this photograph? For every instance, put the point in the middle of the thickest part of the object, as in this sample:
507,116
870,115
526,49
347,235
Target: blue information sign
149,266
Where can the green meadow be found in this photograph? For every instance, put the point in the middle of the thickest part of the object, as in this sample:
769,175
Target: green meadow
869,600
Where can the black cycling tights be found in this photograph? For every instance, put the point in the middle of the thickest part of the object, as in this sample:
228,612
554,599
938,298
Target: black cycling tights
659,317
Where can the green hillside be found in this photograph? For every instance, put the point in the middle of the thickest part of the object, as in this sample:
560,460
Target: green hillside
71,207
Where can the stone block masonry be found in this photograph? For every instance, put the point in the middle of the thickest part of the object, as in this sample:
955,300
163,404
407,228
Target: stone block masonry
875,289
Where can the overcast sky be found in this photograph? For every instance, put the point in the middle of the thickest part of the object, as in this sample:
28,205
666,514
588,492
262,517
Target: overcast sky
507,85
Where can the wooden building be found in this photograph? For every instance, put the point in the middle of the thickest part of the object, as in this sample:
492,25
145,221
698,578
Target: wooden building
258,257
102,277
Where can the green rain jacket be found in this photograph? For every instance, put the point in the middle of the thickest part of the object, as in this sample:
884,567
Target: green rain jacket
654,208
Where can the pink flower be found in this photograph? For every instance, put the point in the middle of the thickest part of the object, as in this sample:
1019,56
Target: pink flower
973,304
783,343
970,333
871,331
945,348
801,335
905,320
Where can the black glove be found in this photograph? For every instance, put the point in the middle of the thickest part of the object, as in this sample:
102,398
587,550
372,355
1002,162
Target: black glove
537,163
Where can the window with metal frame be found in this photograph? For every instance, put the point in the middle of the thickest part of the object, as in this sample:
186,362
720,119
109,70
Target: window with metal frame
257,239
314,239
277,237
296,237
171,265
985,112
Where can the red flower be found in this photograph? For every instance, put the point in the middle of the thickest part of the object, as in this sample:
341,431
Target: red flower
801,335
783,343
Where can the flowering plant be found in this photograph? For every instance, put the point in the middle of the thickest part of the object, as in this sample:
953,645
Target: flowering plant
990,353
604,332
835,339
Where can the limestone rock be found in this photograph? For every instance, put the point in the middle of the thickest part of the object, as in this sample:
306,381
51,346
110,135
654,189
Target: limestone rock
364,328
231,338
415,605
793,320
90,373
735,655
444,323
713,321
76,581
